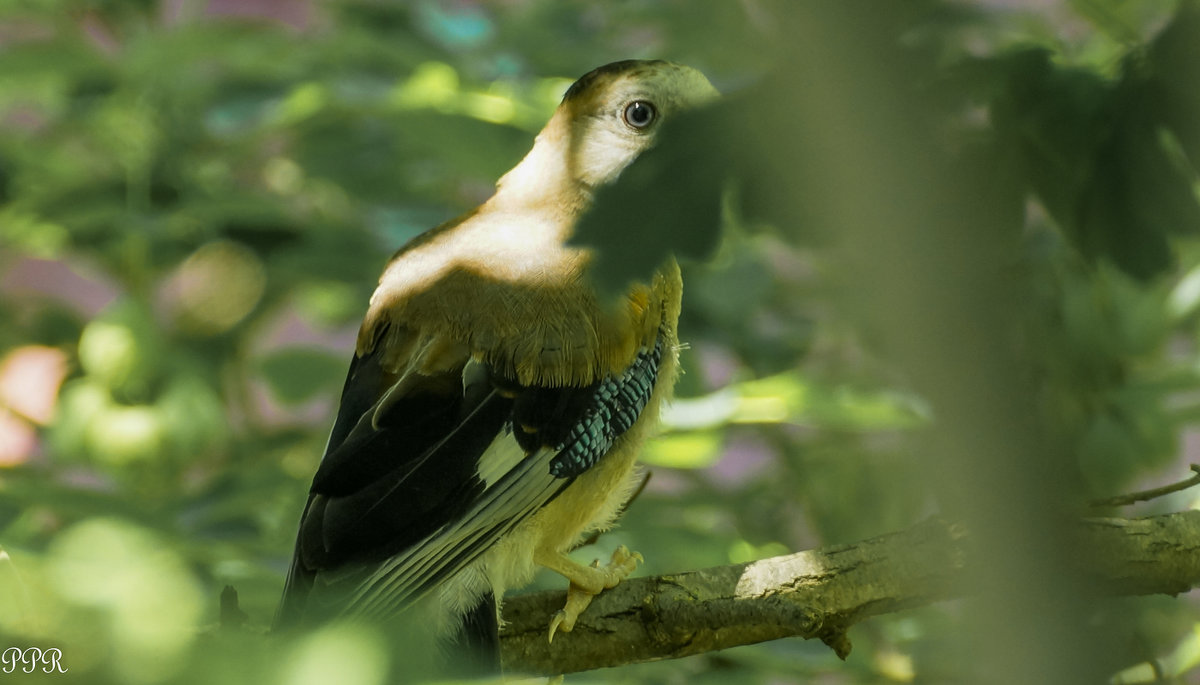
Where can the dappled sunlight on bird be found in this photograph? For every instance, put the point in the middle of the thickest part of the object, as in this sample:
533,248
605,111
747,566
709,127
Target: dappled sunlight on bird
496,401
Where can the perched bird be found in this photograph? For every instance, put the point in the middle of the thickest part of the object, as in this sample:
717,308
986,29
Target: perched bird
496,402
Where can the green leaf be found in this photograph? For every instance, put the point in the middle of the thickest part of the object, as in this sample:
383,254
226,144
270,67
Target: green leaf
1175,62
667,202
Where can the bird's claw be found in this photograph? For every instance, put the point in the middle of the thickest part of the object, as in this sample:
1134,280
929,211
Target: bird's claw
578,599
555,621
591,581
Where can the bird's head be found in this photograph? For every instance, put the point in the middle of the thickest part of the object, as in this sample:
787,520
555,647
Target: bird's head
616,111
606,119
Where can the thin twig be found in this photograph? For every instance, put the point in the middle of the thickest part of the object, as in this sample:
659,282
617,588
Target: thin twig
1147,495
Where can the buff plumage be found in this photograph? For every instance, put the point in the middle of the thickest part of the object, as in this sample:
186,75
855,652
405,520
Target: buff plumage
496,402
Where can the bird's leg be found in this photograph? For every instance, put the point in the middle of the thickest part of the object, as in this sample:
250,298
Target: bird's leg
586,582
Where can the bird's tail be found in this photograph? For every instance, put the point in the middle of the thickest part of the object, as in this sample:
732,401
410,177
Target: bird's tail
478,640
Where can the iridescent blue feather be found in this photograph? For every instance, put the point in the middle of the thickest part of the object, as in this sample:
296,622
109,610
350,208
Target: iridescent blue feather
615,406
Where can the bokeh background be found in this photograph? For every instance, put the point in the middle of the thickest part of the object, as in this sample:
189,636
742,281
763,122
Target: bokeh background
954,270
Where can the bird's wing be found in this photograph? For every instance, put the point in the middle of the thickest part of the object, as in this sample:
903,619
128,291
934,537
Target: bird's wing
424,471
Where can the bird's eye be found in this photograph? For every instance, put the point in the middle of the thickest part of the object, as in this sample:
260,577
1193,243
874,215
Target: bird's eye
639,114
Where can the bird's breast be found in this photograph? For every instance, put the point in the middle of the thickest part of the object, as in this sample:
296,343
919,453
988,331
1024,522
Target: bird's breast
507,289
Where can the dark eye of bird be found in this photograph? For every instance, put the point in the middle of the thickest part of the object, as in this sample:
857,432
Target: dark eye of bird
639,114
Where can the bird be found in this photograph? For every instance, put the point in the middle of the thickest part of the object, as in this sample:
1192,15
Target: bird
496,400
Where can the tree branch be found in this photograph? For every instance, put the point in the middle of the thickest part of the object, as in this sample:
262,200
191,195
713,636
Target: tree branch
1153,493
820,593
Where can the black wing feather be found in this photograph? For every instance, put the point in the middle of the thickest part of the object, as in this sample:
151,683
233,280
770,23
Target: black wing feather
419,495
398,505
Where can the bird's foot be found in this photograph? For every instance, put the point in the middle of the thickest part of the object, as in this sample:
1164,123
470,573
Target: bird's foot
589,581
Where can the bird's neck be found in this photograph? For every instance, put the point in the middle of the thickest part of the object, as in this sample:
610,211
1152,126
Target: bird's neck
545,180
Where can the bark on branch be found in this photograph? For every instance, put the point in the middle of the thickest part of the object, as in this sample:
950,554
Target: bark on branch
820,593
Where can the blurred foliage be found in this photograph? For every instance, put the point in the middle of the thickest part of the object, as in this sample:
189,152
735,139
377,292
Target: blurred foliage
196,197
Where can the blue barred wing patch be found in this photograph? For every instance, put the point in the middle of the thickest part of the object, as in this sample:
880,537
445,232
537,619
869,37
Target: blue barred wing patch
615,406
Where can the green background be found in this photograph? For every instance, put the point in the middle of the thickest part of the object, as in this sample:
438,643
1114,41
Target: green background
940,257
